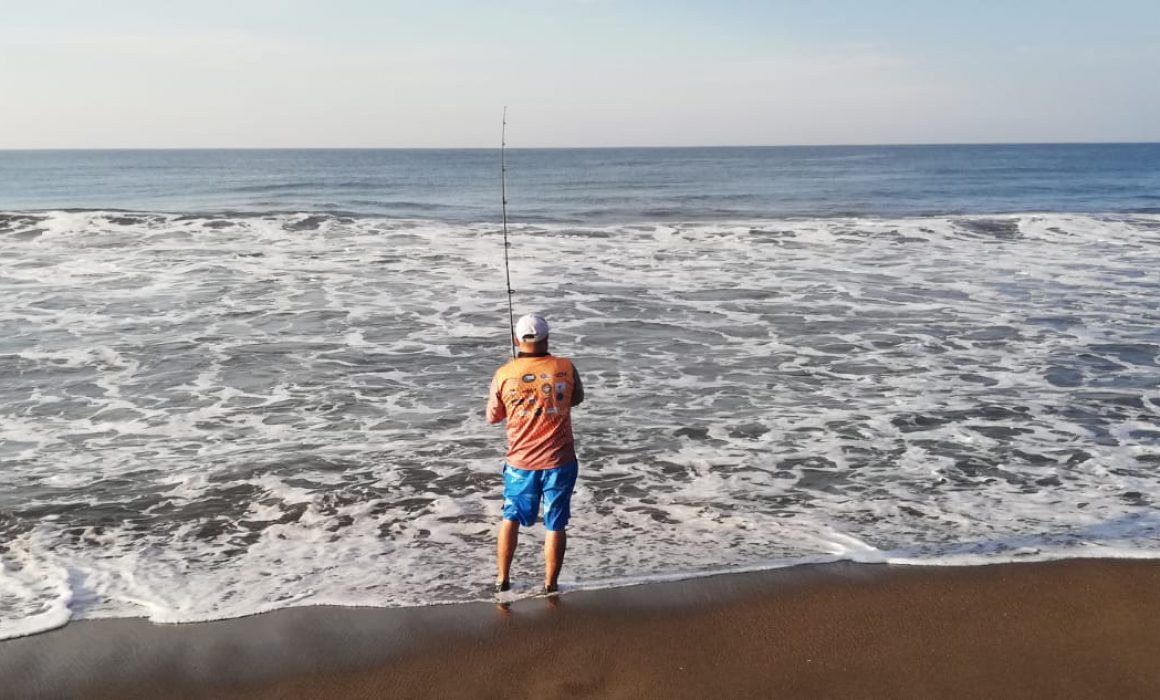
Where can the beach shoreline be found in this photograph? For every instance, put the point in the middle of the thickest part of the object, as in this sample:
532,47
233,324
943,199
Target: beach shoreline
1072,628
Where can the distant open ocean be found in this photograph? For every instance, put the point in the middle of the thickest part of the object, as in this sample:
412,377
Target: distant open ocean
233,381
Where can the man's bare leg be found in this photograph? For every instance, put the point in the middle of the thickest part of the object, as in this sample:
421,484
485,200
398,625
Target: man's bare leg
555,542
505,549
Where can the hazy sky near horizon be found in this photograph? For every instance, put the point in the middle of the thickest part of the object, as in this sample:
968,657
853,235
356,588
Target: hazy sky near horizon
437,73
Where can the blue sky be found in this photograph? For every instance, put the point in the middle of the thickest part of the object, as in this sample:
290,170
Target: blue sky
297,73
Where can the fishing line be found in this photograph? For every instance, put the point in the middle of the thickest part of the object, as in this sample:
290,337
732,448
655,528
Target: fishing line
503,207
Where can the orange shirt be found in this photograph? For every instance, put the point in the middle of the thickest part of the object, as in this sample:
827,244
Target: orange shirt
536,395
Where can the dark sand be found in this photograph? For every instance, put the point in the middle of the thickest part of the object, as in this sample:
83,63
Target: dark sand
1071,629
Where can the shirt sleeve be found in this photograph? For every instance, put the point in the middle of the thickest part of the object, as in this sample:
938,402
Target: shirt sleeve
577,387
496,411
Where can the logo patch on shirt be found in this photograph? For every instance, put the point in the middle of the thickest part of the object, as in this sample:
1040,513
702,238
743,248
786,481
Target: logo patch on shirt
529,377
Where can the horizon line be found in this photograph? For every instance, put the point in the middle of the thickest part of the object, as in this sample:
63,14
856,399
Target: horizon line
573,148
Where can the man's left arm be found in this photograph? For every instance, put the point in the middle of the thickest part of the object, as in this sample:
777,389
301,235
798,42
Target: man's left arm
496,411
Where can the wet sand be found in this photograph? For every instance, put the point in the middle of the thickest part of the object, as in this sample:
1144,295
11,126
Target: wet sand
1070,629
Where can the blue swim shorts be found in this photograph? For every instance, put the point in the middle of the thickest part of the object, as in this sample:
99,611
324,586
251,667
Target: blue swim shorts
523,489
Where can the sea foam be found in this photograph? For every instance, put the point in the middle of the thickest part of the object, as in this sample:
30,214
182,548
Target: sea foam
209,416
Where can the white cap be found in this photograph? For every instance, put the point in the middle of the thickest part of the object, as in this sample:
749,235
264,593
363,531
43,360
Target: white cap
531,325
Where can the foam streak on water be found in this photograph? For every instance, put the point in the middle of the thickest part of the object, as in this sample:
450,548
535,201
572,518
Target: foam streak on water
204,417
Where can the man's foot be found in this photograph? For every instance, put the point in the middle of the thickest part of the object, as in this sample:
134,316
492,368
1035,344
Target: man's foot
501,586
550,589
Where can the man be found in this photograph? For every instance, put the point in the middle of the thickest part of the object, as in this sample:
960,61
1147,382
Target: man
535,393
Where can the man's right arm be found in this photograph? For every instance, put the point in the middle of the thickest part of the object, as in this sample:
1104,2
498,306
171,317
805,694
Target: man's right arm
577,388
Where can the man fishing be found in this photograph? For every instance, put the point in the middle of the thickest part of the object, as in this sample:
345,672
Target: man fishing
535,392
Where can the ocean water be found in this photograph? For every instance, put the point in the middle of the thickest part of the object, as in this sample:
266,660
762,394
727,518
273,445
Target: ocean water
232,381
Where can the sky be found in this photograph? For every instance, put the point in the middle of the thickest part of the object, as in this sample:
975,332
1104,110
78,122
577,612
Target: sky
438,73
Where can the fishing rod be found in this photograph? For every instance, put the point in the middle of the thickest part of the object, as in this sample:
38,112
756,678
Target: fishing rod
503,206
